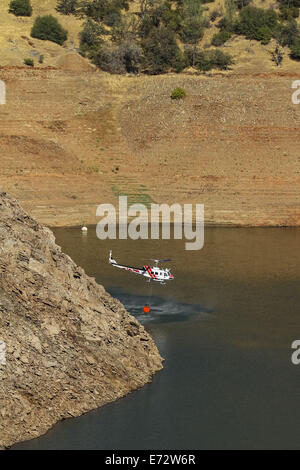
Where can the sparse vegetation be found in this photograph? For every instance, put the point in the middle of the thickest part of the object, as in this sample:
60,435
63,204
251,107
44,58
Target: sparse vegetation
161,52
178,93
20,7
277,55
159,36
287,13
295,50
91,37
210,59
67,7
48,28
220,38
192,22
257,23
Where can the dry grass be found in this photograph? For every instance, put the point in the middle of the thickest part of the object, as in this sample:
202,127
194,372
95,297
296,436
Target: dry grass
249,56
16,43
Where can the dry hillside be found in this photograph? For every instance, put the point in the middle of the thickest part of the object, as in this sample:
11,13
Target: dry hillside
72,137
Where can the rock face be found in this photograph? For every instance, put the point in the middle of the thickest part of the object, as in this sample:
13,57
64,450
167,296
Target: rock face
70,347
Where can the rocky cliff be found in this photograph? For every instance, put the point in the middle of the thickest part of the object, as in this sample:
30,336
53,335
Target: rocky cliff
70,347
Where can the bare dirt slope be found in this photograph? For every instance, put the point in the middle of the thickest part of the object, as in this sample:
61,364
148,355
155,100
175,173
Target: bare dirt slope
70,140
72,137
16,43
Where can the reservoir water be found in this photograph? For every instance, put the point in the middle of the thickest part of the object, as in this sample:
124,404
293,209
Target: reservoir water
224,326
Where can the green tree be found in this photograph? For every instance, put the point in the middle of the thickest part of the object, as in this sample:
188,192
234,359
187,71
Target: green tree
257,23
286,34
20,7
162,52
126,30
150,16
170,16
220,38
290,3
48,28
91,36
295,50
212,59
230,10
288,13
122,58
192,25
264,34
221,60
108,11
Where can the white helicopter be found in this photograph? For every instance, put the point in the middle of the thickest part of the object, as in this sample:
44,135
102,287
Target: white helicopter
152,273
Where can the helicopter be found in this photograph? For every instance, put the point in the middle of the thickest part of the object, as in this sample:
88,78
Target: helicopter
152,273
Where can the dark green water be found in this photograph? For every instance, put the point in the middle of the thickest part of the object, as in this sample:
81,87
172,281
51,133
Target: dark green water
224,326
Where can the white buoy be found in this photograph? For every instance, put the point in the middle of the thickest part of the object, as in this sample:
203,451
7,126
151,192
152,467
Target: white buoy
84,229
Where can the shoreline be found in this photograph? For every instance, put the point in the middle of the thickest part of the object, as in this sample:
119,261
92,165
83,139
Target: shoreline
207,225
68,148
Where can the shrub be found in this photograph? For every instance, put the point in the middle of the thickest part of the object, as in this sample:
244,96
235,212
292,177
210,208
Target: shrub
287,34
131,55
91,35
295,50
192,24
253,23
108,58
211,59
20,7
289,3
170,17
264,34
29,62
226,25
67,7
220,38
287,13
48,28
178,93
41,59
108,11
221,60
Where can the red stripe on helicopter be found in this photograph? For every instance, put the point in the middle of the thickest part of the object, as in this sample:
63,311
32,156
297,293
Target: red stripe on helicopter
148,269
